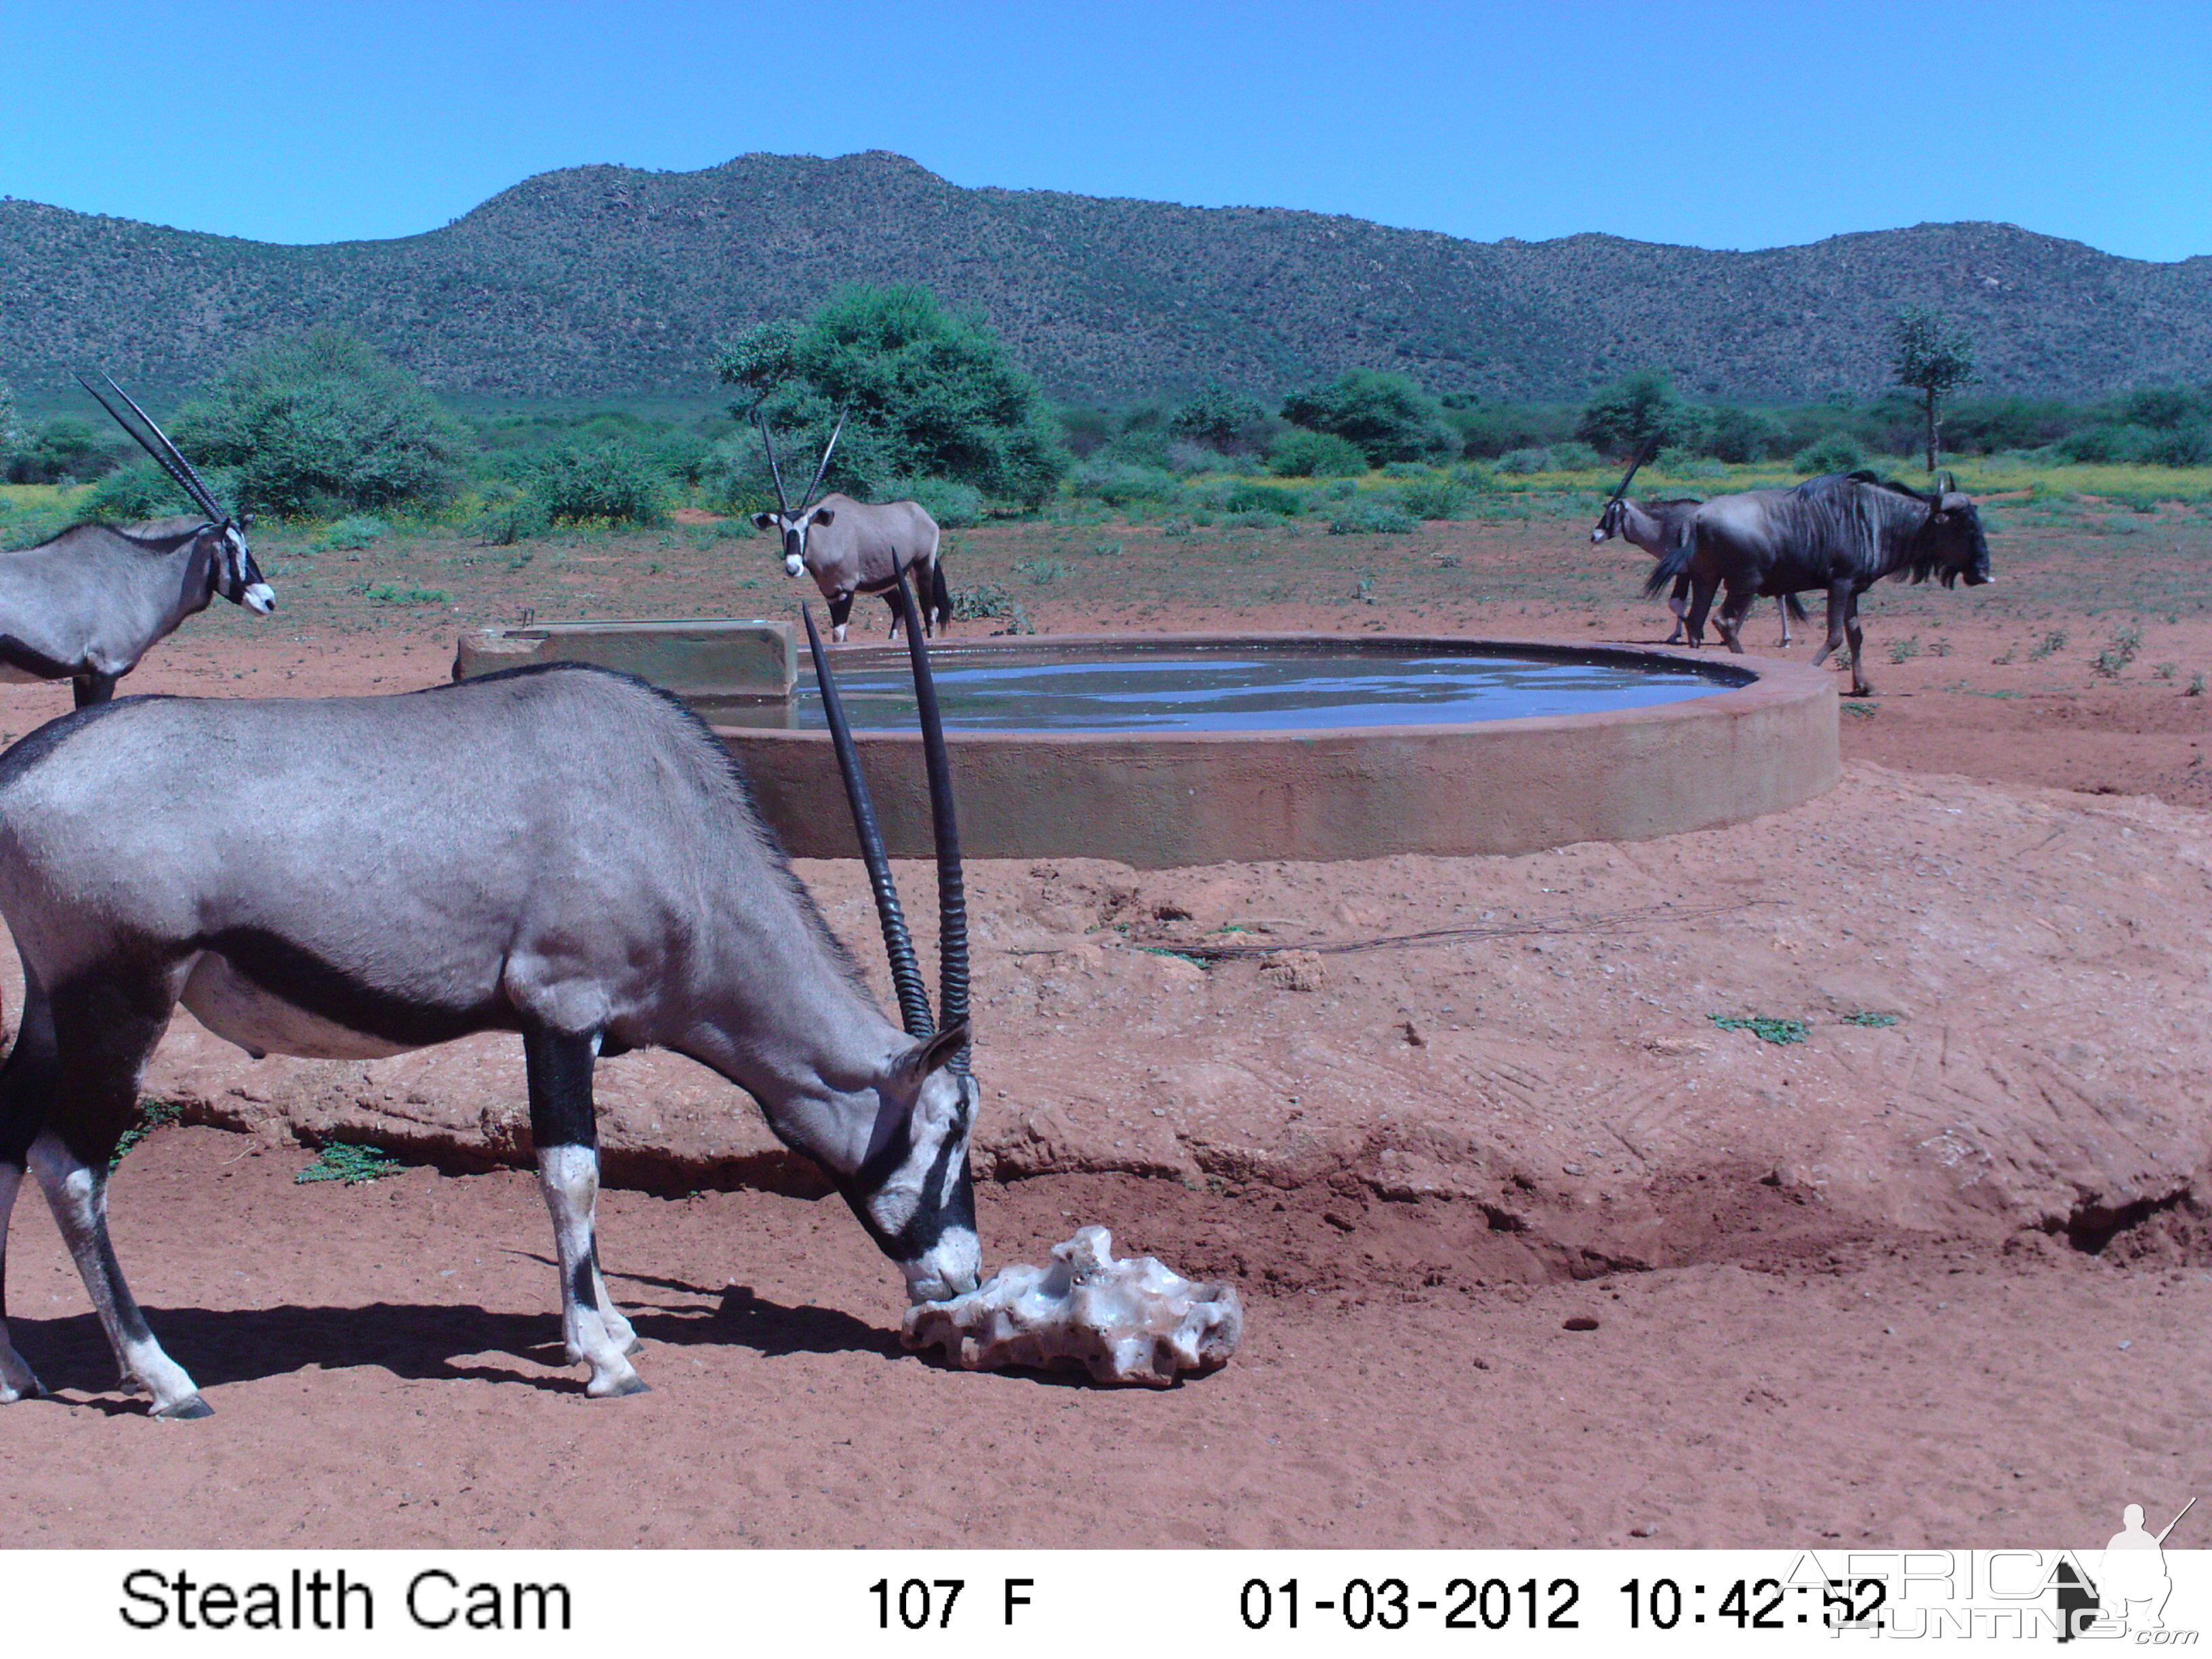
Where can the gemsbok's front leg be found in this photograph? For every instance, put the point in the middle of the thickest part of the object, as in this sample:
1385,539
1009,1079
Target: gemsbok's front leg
566,1130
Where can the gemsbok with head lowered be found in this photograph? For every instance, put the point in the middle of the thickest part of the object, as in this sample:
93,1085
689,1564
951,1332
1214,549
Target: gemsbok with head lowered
85,605
1655,525
853,547
557,851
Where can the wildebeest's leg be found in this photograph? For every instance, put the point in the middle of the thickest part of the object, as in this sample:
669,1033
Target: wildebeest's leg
565,1128
841,613
1838,597
1729,620
26,1086
92,688
1701,603
1781,610
1860,687
103,1030
1675,603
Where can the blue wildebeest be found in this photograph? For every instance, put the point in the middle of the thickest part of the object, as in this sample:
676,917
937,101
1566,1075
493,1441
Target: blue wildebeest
853,547
1838,534
1655,525
557,851
86,604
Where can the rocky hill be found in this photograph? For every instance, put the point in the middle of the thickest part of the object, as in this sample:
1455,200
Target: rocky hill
607,282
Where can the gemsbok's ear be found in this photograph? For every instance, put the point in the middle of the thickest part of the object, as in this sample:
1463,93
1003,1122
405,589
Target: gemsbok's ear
762,520
823,515
933,1054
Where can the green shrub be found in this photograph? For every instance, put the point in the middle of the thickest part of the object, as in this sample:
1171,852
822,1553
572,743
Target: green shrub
511,515
1739,435
1374,513
1388,416
1837,452
1520,462
610,483
1434,498
955,505
1222,420
1575,456
986,602
1299,453
1118,483
2187,445
63,451
131,494
323,422
1248,497
2103,443
359,530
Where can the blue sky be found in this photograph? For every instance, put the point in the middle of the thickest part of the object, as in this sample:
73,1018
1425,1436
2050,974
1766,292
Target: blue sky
1719,126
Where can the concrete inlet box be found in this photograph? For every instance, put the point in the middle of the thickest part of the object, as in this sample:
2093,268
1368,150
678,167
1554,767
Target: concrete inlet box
732,673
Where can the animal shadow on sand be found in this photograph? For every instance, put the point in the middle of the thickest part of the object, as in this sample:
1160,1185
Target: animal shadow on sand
425,1340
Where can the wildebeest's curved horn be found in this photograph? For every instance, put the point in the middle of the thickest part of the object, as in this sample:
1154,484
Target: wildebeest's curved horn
165,453
775,471
944,831
898,943
828,450
1644,452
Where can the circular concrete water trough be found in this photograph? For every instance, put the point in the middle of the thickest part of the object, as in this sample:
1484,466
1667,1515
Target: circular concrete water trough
1746,737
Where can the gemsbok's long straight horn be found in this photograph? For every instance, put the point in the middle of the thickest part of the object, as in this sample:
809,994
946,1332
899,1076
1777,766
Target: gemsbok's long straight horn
1644,452
166,454
898,943
944,832
828,450
775,471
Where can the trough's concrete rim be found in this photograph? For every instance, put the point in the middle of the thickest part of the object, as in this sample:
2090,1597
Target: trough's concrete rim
1774,682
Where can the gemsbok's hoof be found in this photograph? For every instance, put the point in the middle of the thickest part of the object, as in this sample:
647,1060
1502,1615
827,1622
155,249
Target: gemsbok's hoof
616,1388
190,1409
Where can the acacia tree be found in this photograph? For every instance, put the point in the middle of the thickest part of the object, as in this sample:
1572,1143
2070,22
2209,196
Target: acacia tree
1933,357
927,393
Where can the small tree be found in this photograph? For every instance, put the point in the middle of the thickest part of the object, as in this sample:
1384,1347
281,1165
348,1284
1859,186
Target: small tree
926,394
1387,415
11,427
324,423
1934,358
1227,421
1620,418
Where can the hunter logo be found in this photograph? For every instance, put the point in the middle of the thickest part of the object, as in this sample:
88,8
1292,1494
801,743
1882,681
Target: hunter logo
2128,1593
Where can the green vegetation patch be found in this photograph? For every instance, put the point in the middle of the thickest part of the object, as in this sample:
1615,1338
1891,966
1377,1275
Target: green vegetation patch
342,1161
152,1114
1868,1018
1766,1028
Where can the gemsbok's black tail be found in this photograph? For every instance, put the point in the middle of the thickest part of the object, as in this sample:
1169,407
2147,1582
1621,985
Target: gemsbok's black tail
940,596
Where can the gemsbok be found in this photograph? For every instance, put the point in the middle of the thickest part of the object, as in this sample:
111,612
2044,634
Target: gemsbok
1655,525
86,604
853,547
557,851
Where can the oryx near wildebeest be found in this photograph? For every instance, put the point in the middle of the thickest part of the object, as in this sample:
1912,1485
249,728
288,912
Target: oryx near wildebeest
853,547
1839,534
85,605
558,851
1654,525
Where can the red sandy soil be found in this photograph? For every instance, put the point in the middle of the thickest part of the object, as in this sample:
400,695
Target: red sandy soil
1938,1282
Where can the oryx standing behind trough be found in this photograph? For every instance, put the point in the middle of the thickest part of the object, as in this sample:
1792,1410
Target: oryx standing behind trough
557,851
1655,526
853,547
1839,533
87,605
